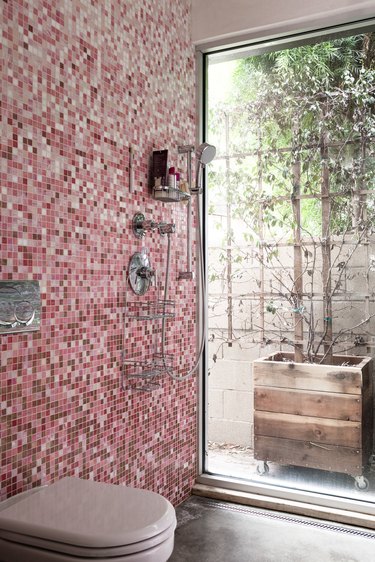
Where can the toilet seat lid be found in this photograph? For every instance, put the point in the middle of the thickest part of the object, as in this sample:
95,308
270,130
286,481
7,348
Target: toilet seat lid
89,514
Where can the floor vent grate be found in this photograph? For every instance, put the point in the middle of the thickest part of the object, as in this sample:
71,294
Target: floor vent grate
338,528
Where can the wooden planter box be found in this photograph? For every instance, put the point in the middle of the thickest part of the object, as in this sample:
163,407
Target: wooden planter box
311,415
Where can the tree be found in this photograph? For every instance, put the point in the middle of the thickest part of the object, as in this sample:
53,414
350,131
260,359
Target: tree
302,139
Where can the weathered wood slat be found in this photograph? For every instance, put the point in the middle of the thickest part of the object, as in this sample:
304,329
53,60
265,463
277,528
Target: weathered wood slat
324,457
367,410
312,415
343,360
308,403
306,428
324,378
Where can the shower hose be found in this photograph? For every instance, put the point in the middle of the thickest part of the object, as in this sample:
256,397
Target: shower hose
173,375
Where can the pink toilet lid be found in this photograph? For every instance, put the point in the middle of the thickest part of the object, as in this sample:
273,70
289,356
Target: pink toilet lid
83,513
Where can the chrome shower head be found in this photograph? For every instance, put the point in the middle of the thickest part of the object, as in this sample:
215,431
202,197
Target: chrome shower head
205,154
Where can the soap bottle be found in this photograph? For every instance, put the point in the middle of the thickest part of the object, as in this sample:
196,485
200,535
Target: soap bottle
172,178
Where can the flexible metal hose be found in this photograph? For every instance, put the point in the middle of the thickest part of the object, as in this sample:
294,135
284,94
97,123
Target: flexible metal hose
176,376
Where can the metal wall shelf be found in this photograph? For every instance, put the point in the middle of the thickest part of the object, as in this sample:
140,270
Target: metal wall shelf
150,310
170,195
146,372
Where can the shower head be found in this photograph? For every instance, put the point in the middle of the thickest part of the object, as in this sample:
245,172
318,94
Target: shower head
205,154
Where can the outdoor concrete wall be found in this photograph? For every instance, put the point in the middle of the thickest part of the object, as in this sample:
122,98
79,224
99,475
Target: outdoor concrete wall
231,402
357,284
230,383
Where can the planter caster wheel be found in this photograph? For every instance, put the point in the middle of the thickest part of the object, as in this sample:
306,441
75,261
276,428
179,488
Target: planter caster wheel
262,468
361,483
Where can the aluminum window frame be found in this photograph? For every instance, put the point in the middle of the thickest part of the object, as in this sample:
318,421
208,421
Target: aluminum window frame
353,511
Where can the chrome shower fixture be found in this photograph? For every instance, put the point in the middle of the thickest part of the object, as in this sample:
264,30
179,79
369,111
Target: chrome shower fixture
141,274
205,154
141,226
166,228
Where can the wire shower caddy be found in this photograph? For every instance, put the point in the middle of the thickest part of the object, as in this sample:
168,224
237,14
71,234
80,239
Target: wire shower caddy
144,371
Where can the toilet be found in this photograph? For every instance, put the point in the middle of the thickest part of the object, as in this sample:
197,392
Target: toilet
76,520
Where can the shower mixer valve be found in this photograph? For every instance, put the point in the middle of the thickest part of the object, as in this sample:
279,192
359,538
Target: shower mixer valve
141,275
141,226
145,272
166,228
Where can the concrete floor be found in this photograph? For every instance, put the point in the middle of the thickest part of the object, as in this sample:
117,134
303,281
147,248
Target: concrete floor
213,531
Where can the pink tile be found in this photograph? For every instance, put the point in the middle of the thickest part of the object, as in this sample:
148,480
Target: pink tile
81,82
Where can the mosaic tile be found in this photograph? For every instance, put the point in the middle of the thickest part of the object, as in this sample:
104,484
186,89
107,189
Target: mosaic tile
81,81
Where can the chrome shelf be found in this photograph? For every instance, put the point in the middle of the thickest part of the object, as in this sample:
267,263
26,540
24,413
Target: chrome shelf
150,310
146,372
170,195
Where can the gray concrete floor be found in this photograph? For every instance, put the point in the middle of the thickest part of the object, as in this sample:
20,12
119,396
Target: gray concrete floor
213,531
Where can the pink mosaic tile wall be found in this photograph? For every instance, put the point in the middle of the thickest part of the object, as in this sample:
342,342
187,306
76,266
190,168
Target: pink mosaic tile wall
81,81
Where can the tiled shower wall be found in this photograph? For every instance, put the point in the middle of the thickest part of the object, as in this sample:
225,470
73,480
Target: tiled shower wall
81,81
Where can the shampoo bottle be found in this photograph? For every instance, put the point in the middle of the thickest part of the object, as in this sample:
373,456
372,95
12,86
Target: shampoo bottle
172,178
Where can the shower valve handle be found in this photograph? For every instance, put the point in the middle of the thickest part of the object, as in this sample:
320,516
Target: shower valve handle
141,225
145,272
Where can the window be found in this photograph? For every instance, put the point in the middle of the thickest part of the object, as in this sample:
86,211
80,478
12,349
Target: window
291,266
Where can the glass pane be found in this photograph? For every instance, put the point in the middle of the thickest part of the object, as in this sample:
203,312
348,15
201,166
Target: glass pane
291,262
